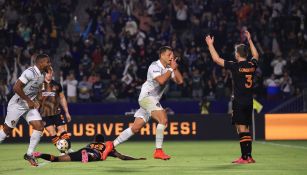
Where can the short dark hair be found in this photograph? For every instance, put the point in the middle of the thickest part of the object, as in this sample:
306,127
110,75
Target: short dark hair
242,50
40,56
164,49
99,138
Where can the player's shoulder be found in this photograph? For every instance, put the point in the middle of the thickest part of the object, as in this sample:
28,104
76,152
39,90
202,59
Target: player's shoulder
55,83
30,71
252,62
154,63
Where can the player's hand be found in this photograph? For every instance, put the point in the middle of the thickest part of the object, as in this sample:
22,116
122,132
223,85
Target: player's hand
173,64
209,40
32,104
247,35
68,117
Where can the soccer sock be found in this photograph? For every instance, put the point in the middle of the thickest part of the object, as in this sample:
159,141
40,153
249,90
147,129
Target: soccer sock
49,157
249,148
34,140
125,135
2,136
159,135
245,140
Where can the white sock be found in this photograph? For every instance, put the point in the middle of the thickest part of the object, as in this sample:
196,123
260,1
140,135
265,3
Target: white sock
159,135
34,140
125,135
2,136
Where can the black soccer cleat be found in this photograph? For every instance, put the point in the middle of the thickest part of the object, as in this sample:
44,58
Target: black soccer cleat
31,159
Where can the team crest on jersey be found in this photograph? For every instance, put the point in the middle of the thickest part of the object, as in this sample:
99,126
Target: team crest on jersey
158,105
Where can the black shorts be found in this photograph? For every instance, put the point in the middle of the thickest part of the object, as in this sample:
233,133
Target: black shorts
93,155
242,113
56,120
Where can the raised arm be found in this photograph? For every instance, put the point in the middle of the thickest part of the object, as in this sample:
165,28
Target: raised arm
252,46
215,56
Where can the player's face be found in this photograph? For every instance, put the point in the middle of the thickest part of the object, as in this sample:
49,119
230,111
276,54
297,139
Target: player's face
46,64
168,56
49,75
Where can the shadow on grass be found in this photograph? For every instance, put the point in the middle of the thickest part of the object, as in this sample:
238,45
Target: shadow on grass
123,169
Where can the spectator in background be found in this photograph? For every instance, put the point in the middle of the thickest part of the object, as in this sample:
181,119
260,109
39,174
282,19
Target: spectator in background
98,90
197,85
286,85
71,87
84,89
278,65
4,92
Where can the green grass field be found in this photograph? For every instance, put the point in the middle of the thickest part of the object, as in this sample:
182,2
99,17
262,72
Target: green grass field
203,157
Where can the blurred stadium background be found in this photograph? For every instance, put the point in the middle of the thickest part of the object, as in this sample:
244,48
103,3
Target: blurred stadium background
101,50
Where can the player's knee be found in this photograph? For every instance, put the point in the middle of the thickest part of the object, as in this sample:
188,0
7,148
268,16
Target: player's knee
39,126
135,129
7,130
163,121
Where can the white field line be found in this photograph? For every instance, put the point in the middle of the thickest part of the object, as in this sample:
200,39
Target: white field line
282,145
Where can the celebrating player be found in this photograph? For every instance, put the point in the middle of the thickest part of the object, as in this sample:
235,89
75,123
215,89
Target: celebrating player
242,73
22,104
92,152
50,97
159,72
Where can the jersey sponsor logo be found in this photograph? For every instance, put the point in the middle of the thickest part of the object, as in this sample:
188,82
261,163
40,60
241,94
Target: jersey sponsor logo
48,94
156,71
13,122
247,70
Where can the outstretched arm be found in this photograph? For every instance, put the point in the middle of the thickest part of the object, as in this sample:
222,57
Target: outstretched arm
114,153
252,46
215,56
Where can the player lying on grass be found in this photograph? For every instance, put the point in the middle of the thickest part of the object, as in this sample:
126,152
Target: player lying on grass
92,152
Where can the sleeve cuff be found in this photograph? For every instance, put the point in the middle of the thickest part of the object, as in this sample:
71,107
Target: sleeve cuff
23,80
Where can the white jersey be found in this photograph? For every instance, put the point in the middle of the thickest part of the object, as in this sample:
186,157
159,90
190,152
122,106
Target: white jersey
151,87
32,78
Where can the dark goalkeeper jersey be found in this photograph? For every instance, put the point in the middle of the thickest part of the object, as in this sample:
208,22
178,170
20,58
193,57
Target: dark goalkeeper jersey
243,79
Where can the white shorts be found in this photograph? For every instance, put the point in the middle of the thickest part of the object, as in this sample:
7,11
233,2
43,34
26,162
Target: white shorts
150,104
16,110
142,113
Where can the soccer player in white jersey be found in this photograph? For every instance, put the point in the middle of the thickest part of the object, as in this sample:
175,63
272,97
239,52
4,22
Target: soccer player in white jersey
23,104
159,72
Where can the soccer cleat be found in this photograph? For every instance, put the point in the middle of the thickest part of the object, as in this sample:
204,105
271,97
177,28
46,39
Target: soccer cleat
251,160
36,154
31,159
240,161
159,154
108,149
84,156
